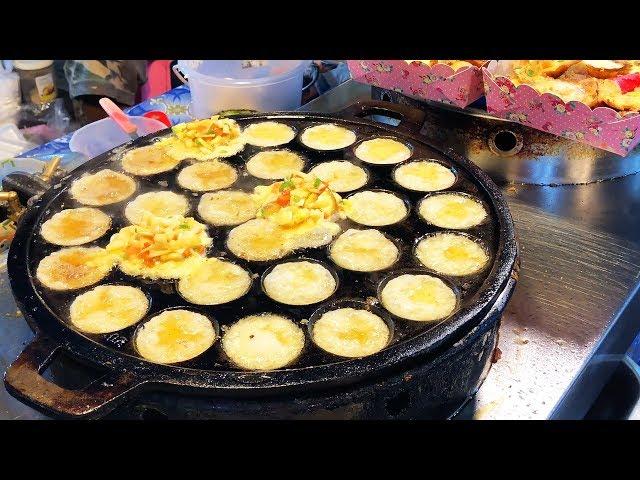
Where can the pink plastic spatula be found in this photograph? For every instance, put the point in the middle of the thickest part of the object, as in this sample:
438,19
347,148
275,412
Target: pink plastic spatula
118,116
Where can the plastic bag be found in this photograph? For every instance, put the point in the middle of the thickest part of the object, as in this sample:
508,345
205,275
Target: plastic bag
9,97
12,142
43,125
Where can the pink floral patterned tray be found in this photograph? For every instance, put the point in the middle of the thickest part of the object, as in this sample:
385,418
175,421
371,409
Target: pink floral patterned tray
601,127
439,82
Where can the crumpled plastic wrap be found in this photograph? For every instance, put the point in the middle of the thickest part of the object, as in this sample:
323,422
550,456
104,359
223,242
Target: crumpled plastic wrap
41,125
12,142
9,97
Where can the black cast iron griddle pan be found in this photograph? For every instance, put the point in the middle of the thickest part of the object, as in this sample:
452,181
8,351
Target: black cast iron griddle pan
211,373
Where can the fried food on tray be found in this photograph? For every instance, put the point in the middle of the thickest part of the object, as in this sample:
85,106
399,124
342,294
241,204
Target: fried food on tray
592,82
578,75
612,95
634,66
584,90
555,68
606,68
477,63
455,64
526,70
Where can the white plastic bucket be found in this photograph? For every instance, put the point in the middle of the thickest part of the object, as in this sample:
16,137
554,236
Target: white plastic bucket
103,135
263,85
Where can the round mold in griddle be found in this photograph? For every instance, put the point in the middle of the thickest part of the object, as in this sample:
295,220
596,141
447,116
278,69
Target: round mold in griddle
383,166
196,163
189,308
424,272
460,233
324,152
291,361
398,244
324,265
231,303
486,219
276,145
119,284
356,304
305,162
426,160
154,174
360,166
402,197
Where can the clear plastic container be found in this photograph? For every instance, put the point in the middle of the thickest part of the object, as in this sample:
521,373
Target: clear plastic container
263,85
103,135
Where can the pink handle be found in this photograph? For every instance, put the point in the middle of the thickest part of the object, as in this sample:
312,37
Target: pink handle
118,115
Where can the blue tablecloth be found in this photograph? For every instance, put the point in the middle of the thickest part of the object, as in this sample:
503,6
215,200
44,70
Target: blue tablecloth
175,103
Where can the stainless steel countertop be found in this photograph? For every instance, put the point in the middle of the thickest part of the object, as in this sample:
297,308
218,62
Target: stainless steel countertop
580,254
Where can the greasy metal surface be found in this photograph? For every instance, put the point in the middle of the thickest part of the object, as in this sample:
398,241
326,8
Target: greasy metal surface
48,310
15,334
574,280
542,159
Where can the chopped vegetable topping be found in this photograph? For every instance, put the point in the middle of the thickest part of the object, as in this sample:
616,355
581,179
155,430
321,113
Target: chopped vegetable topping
159,240
287,184
299,201
213,136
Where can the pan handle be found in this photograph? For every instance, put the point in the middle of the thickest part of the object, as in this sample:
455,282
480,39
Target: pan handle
411,119
23,381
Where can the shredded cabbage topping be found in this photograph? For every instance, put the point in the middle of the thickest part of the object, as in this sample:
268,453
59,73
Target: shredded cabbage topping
160,247
205,139
300,200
